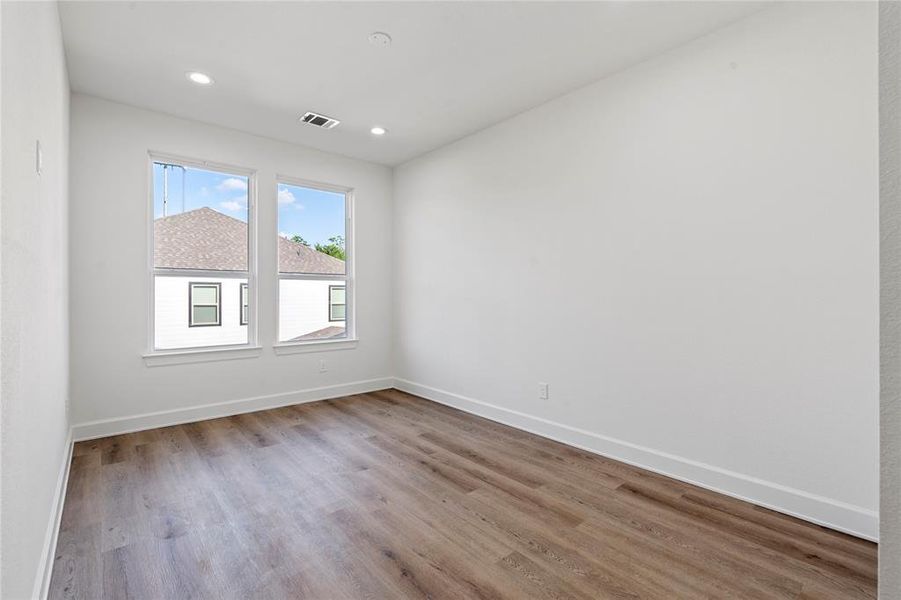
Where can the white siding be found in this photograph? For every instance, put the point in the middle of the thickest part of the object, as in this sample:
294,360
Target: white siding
303,309
171,306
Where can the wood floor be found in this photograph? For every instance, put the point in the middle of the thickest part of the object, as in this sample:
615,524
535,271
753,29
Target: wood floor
387,495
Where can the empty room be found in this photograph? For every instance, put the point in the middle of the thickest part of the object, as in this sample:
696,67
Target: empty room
496,300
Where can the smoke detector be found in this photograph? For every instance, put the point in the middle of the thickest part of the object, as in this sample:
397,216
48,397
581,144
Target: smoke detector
379,38
317,120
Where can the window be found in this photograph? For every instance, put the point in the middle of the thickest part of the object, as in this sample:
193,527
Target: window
336,304
202,277
203,302
315,263
244,303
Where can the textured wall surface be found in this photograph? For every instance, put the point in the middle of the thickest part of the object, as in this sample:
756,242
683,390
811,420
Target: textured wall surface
890,299
34,345
687,252
109,377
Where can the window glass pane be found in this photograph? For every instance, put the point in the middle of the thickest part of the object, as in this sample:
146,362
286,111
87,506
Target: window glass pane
311,225
304,311
204,294
171,312
204,315
244,303
200,219
338,312
338,295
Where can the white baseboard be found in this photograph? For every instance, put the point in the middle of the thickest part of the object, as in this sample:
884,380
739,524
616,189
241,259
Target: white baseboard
45,566
834,514
847,518
102,428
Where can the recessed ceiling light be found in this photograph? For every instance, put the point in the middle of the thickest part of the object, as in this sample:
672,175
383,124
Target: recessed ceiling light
199,78
379,38
378,131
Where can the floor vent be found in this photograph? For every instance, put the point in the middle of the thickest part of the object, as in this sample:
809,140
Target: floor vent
311,118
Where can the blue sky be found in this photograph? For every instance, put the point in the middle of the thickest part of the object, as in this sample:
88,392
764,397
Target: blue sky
315,215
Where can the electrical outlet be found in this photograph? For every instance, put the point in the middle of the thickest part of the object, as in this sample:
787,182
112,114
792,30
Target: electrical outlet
542,391
323,368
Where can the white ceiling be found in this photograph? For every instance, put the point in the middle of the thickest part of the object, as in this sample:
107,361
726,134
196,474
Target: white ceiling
454,67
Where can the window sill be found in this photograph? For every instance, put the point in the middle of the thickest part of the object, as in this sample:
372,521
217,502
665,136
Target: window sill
304,347
181,357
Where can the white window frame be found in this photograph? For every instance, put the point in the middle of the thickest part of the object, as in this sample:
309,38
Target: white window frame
350,339
157,356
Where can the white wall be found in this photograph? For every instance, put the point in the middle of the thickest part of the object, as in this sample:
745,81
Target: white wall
890,299
34,346
686,252
109,228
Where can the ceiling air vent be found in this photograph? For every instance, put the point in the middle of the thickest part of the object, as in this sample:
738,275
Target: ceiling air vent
311,118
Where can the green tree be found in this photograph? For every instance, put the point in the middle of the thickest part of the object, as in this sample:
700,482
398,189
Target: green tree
299,240
335,247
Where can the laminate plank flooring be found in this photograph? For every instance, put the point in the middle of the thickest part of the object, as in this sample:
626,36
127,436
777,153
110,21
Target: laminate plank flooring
387,495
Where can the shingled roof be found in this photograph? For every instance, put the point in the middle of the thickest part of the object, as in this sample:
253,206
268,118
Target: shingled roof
328,333
209,240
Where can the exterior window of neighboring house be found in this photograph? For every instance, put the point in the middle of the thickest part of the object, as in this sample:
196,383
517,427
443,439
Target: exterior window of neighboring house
202,251
336,305
245,289
203,302
315,262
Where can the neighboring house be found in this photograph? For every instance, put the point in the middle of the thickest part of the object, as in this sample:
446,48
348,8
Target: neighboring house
200,311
